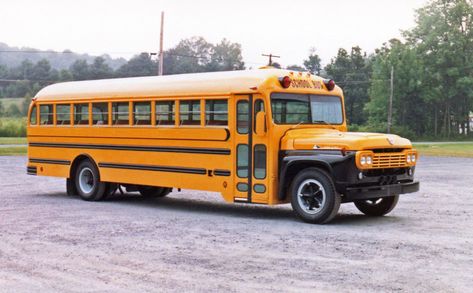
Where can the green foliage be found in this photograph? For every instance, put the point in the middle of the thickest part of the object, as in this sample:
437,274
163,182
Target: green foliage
197,55
12,127
295,68
352,72
312,63
140,65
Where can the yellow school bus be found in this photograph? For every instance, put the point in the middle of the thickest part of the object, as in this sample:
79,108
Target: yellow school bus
265,136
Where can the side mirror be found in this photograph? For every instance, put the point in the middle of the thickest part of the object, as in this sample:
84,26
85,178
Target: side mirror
260,128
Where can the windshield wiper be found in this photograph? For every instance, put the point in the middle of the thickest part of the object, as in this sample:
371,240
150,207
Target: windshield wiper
324,122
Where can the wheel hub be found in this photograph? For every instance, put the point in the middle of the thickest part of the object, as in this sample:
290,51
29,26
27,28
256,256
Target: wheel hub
311,196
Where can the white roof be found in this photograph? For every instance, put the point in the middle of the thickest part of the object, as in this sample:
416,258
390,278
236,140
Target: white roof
214,83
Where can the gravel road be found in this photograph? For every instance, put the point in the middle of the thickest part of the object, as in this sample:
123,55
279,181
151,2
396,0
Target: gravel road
193,241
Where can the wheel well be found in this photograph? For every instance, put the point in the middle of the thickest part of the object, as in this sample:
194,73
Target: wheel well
77,161
297,167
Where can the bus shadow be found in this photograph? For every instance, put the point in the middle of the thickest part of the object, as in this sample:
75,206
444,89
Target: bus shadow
188,205
254,211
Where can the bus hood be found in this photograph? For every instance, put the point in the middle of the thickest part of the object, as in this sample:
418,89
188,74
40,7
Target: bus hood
323,138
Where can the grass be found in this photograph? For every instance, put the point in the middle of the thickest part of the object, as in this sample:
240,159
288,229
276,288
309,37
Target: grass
12,140
12,126
13,151
8,101
452,149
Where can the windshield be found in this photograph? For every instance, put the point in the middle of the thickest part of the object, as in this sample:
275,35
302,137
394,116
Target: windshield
306,109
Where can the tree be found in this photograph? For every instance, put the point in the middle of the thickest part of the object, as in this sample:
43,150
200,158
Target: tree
139,65
295,68
409,112
225,56
197,55
100,69
13,110
312,63
352,71
80,70
443,37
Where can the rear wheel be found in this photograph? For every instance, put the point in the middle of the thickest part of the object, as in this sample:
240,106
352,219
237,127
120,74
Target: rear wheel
87,181
377,207
313,196
152,191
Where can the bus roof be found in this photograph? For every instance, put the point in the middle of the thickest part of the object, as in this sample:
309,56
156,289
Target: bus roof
215,83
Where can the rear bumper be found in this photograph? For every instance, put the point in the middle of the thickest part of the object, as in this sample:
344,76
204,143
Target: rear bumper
367,192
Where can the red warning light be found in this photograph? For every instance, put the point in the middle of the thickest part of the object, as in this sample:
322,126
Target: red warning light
329,83
285,81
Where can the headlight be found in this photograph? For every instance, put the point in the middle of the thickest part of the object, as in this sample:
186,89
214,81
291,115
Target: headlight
413,158
408,158
364,159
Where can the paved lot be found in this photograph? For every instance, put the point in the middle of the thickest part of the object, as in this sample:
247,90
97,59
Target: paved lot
193,241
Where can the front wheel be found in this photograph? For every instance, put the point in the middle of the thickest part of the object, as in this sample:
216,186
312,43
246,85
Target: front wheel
377,207
313,196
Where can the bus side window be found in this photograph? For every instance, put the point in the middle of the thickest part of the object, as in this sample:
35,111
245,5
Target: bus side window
216,112
165,113
81,114
120,113
100,114
46,114
242,117
142,113
189,112
33,117
63,114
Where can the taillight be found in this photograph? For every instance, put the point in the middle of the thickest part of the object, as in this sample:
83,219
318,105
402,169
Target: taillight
285,81
329,83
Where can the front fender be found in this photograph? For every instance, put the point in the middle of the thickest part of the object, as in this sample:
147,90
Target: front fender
331,161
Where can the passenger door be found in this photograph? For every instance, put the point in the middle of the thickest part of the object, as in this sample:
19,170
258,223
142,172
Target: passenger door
250,174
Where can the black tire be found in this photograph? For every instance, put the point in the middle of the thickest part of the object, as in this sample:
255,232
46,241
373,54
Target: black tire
91,188
152,191
313,196
377,207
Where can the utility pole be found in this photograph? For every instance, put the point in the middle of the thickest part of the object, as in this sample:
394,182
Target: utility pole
271,56
390,109
161,53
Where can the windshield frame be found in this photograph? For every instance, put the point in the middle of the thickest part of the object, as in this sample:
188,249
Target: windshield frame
310,109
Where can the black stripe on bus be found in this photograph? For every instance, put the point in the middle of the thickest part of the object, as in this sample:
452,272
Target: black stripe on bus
212,151
199,171
49,161
31,170
218,172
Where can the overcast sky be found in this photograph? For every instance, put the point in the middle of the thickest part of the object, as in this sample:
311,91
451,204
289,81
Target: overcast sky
127,27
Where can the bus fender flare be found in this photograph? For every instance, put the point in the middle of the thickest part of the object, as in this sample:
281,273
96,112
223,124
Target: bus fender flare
290,166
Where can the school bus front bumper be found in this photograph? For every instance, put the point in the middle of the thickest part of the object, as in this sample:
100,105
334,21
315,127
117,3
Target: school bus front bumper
377,191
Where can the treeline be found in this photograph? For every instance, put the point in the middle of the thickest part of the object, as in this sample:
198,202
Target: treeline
433,76
432,84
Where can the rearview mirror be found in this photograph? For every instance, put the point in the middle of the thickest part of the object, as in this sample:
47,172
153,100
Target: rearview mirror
260,128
